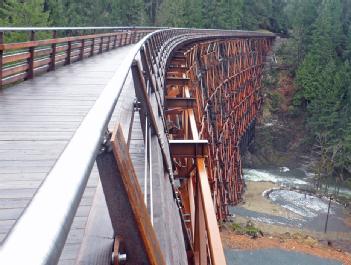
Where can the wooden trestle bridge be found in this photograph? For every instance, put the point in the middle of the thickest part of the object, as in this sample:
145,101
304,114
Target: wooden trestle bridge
133,153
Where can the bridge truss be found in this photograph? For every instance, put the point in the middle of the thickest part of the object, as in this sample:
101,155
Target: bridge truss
197,95
213,94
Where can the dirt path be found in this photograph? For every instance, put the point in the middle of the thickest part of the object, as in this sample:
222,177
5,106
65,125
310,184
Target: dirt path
304,245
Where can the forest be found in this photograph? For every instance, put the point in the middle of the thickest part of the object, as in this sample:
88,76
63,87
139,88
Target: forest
318,52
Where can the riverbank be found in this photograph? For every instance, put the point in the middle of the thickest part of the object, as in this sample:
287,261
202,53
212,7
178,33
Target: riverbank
308,246
296,217
298,228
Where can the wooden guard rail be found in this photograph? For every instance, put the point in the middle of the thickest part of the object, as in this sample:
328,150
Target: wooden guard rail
23,60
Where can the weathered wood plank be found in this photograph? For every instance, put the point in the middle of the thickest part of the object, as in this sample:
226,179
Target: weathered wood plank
97,243
37,119
123,194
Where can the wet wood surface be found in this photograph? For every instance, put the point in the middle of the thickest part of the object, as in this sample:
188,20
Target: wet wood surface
37,119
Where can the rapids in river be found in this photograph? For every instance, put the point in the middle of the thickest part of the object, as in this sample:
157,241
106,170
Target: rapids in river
310,211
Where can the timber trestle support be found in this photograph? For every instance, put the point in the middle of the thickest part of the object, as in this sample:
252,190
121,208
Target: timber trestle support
209,104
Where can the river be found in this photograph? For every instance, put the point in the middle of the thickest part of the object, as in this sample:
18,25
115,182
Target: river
291,191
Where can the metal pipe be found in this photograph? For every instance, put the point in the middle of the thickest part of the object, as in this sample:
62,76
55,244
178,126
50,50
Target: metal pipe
150,180
150,167
145,159
11,29
218,32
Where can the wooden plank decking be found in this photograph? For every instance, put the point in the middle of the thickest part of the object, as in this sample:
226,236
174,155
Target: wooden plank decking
37,119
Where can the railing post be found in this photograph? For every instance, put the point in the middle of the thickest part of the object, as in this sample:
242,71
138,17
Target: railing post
133,36
108,43
115,41
1,57
92,47
30,61
69,50
101,43
119,40
81,55
124,39
53,53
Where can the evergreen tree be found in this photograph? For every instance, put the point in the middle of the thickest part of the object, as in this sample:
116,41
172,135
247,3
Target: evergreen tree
192,14
29,13
233,10
56,9
129,12
152,8
212,13
301,16
222,14
171,13
87,13
322,52
324,83
256,14
24,13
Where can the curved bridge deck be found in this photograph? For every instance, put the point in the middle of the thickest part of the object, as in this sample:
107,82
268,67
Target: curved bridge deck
183,100
37,119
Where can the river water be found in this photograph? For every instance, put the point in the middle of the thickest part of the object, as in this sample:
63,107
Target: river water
311,211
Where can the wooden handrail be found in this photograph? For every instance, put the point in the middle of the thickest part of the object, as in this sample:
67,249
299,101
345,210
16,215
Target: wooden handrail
23,60
30,44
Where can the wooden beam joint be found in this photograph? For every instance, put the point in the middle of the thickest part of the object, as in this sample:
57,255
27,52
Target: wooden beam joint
176,81
189,148
184,103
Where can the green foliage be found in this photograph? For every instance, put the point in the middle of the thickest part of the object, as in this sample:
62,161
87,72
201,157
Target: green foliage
224,14
319,49
275,101
56,8
301,15
17,13
23,13
192,14
248,229
256,14
151,9
323,78
172,13
129,12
